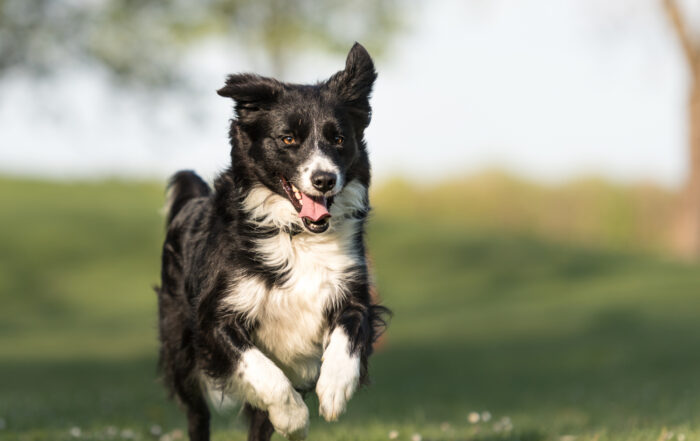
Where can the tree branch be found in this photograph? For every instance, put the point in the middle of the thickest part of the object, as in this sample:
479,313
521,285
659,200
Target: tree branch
691,52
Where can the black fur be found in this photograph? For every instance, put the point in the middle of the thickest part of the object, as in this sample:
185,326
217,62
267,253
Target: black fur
211,239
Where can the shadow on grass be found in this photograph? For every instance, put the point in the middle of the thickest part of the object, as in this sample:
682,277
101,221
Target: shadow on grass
621,372
559,339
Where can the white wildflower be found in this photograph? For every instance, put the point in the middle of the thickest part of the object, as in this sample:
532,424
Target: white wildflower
393,434
75,432
504,424
416,437
156,430
474,417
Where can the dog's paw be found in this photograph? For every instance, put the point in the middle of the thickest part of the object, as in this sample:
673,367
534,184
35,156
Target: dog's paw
291,417
338,380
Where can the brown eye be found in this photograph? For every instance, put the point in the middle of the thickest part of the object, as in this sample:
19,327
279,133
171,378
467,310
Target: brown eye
338,140
289,140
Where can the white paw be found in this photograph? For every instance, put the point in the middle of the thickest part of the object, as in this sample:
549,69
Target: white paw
340,375
291,417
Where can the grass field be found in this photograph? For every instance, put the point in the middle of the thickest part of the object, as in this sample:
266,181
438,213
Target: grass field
554,341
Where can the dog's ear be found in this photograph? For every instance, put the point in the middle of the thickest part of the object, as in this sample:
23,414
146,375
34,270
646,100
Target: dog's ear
353,85
251,92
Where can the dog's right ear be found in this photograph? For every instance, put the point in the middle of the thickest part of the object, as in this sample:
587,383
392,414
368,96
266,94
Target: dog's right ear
251,92
353,85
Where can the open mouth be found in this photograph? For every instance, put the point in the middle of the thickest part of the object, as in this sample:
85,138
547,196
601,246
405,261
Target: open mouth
313,210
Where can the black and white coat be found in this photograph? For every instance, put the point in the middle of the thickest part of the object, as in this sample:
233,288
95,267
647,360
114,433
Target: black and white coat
254,306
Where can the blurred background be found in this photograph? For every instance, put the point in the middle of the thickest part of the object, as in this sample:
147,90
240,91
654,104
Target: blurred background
536,223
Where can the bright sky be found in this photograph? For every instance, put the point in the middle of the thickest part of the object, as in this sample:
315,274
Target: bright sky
546,88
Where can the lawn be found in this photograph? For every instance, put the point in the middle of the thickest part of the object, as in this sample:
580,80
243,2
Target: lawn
538,339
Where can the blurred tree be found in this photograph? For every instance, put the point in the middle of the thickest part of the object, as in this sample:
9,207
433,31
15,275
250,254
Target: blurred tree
140,42
687,230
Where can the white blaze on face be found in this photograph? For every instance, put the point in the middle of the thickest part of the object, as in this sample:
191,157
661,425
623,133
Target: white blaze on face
318,162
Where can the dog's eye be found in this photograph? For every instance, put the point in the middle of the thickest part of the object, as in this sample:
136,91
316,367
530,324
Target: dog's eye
338,140
289,140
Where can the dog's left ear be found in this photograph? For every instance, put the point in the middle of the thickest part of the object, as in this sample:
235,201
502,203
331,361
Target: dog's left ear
251,92
353,85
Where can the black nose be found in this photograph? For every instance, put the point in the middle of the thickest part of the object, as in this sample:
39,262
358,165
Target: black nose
323,181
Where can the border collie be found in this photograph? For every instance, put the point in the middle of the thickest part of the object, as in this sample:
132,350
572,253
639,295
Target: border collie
265,291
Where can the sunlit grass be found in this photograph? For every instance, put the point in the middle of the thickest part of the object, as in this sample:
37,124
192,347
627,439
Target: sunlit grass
555,341
584,211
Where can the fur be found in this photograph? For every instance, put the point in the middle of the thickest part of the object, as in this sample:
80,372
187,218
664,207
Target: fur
257,305
340,375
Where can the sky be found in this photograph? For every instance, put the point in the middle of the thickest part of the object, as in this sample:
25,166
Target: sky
548,89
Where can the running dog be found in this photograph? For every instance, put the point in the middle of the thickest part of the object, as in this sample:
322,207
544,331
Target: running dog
265,291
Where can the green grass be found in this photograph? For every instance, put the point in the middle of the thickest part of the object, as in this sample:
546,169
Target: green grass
564,341
639,216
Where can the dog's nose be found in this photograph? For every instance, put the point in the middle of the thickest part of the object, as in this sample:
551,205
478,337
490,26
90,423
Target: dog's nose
323,181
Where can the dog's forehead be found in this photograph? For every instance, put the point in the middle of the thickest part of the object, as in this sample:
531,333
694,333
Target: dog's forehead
306,103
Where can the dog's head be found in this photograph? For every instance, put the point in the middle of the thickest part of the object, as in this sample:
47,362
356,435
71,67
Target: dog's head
304,142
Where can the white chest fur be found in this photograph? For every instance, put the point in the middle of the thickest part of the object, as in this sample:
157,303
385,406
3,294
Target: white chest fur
290,318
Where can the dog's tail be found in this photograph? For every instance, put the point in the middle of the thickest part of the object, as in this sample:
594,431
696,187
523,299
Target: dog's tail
183,186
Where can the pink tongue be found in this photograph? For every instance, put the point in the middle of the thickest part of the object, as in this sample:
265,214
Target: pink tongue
312,209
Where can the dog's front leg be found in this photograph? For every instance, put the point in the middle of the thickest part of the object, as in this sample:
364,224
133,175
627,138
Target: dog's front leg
340,375
232,359
262,384
356,325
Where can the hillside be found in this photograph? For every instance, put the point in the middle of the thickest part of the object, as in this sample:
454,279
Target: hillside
555,339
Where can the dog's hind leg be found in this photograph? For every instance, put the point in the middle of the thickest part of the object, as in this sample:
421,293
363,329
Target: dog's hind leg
190,394
177,363
260,426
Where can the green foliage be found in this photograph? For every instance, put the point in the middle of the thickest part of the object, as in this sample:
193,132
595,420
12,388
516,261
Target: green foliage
142,42
556,341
